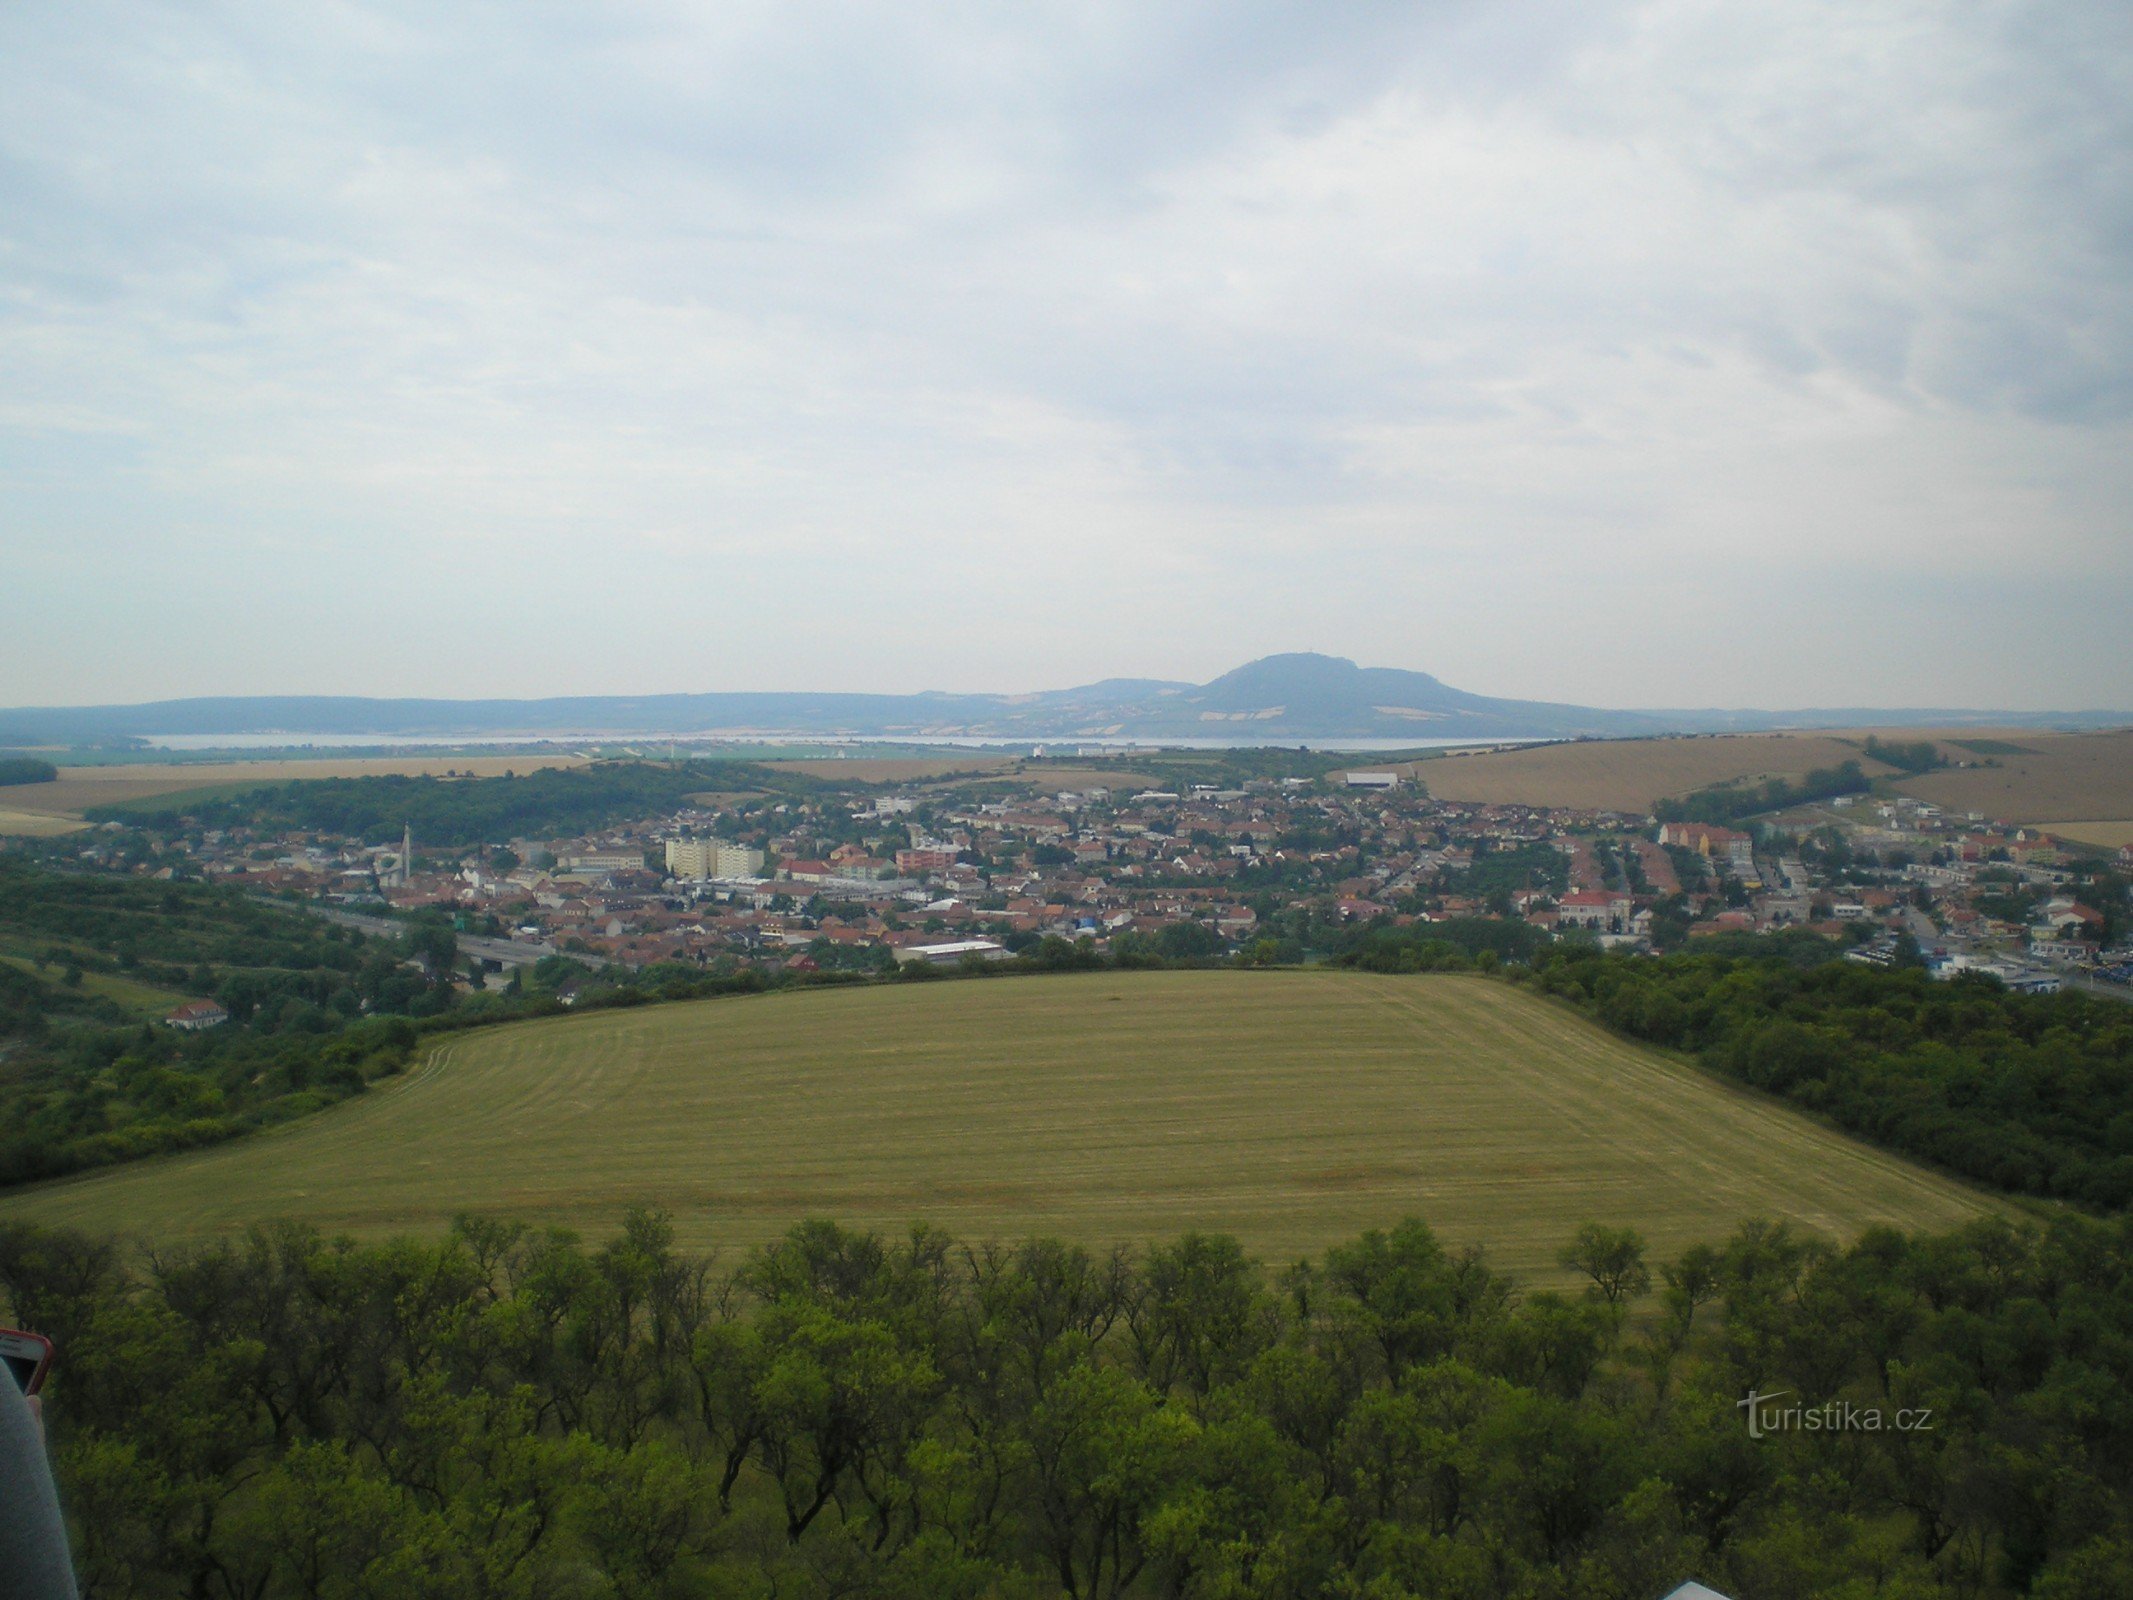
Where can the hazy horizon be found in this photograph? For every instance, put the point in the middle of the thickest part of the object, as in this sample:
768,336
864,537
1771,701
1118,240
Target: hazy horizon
444,696
1619,355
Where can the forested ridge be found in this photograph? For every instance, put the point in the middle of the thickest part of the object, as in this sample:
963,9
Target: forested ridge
513,1413
455,812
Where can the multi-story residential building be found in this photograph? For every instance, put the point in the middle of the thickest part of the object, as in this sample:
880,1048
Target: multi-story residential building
713,858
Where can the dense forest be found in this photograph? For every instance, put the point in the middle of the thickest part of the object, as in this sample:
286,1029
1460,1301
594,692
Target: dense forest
510,1413
1913,755
25,769
459,812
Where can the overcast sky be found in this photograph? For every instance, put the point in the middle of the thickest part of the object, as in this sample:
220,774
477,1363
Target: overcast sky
1763,353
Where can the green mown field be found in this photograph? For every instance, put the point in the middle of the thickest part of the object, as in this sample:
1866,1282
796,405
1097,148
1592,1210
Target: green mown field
1292,1109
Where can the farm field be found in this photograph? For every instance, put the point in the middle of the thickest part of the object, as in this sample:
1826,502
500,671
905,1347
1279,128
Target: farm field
2109,835
57,807
1292,1109
2074,777
37,824
896,769
1630,774
1008,771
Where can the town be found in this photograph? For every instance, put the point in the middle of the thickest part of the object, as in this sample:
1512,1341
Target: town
969,869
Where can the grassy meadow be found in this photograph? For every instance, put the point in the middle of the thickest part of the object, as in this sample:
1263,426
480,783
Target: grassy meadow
1290,1108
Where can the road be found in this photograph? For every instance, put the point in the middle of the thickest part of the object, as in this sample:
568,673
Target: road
504,952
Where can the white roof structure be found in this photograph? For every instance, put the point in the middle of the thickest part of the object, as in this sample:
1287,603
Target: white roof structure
1694,1591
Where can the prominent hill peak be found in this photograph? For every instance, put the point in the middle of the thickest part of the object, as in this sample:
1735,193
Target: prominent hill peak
1294,666
1305,679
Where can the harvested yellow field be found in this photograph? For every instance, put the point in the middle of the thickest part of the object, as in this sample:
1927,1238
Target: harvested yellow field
36,824
1631,775
1292,1109
896,769
2110,835
1040,777
1050,778
2060,778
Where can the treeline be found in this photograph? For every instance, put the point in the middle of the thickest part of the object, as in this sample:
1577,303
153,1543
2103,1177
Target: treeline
1731,802
1456,944
509,1412
2031,1094
1920,755
459,812
25,769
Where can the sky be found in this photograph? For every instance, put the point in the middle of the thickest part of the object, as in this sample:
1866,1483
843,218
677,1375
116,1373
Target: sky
1776,353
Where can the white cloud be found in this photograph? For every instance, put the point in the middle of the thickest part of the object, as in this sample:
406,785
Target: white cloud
1546,348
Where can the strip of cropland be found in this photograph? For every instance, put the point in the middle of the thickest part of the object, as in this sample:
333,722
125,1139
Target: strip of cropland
1292,1109
1632,775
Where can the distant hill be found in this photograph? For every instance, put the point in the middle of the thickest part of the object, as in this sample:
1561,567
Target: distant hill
1282,699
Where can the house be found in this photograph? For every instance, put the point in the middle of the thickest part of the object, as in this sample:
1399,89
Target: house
2062,916
1596,910
197,1015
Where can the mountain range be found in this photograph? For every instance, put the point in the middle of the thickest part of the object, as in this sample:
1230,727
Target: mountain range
1281,699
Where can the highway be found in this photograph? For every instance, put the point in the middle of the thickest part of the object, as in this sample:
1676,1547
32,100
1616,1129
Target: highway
504,952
